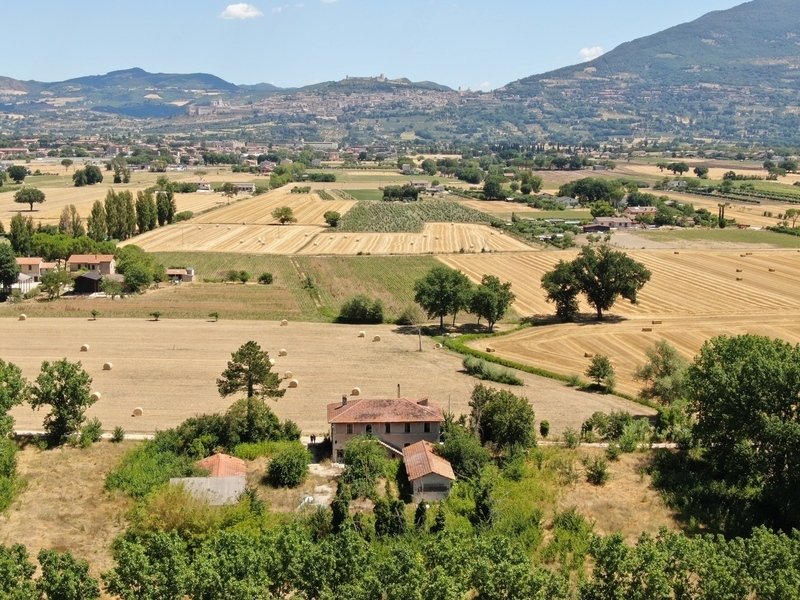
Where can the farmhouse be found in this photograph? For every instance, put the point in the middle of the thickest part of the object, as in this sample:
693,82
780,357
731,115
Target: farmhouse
430,475
636,212
396,422
245,188
34,267
613,222
181,275
102,263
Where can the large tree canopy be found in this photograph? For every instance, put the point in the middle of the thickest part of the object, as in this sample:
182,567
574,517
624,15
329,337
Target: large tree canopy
442,291
249,370
29,196
9,269
491,299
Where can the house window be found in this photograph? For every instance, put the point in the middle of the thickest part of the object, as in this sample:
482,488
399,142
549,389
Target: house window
369,429
427,428
387,428
408,427
349,428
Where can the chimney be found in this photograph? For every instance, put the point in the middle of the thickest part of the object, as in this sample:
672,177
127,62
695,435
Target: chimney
344,399
398,390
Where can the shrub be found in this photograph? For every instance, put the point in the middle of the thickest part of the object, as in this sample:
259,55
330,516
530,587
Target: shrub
214,316
265,278
544,428
147,466
365,461
184,215
411,315
572,438
118,434
613,451
254,450
289,467
156,314
597,470
332,218
232,275
244,276
361,309
91,432
477,367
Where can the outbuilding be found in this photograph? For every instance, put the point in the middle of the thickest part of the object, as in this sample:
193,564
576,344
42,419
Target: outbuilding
431,476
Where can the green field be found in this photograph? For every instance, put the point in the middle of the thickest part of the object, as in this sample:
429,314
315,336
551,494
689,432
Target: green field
731,236
392,217
373,194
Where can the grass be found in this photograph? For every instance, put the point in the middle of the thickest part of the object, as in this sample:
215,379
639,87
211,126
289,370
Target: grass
372,194
727,235
554,214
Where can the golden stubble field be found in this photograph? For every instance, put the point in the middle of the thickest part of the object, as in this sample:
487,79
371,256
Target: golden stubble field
696,294
169,369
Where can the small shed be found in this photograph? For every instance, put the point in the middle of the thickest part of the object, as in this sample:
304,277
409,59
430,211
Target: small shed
88,282
431,476
216,491
223,465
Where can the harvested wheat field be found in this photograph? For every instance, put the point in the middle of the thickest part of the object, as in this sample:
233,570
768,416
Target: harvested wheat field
65,505
695,294
308,209
744,213
436,238
169,369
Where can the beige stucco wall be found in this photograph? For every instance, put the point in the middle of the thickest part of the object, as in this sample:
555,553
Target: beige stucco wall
397,437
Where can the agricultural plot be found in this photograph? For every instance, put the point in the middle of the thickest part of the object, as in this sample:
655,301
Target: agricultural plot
169,369
388,217
696,294
372,194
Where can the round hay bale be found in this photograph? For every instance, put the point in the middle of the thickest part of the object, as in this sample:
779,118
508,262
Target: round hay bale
137,412
85,348
738,270
362,334
489,349
376,338
294,383
271,362
23,317
437,346
107,366
95,396
288,375
356,391
284,323
283,352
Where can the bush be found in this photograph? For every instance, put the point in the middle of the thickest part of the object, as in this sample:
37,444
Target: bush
91,432
244,276
254,450
597,470
365,461
360,309
118,434
184,215
477,367
147,466
613,451
572,438
544,428
265,278
411,315
289,467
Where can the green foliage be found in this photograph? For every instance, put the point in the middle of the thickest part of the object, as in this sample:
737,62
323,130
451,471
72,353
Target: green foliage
284,215
477,367
593,189
53,281
572,438
249,371
403,193
17,173
289,467
491,299
254,450
384,217
91,432
664,373
65,387
140,269
147,466
597,470
442,291
265,279
10,485
544,428
332,217
14,390
601,370
463,450
117,434
365,460
493,187
390,517
16,574
361,309
563,289
502,418
65,577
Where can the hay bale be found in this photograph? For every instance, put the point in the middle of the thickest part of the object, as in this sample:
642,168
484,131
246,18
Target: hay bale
294,383
23,317
107,366
95,396
283,352
437,346
362,334
376,338
85,348
738,270
284,323
271,362
748,254
137,412
288,375
647,329
772,270
588,355
656,322
489,349
356,391
739,279
676,252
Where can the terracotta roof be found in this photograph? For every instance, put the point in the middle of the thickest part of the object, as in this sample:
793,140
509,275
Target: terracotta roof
33,260
222,465
384,410
420,460
90,258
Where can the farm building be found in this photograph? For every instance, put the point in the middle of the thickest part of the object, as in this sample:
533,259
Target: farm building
102,263
636,212
88,283
34,267
245,188
430,475
614,222
216,491
181,275
396,422
222,465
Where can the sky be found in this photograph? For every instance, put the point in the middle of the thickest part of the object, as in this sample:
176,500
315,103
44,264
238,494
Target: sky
472,44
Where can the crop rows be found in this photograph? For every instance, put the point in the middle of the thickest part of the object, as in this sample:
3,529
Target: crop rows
389,217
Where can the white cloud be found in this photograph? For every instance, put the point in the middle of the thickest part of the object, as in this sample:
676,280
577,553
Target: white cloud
590,53
240,11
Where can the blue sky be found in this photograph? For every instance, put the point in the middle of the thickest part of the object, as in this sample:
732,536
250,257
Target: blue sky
468,43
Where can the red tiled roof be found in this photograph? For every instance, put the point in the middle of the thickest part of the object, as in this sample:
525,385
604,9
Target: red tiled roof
420,460
90,258
33,260
222,465
384,410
